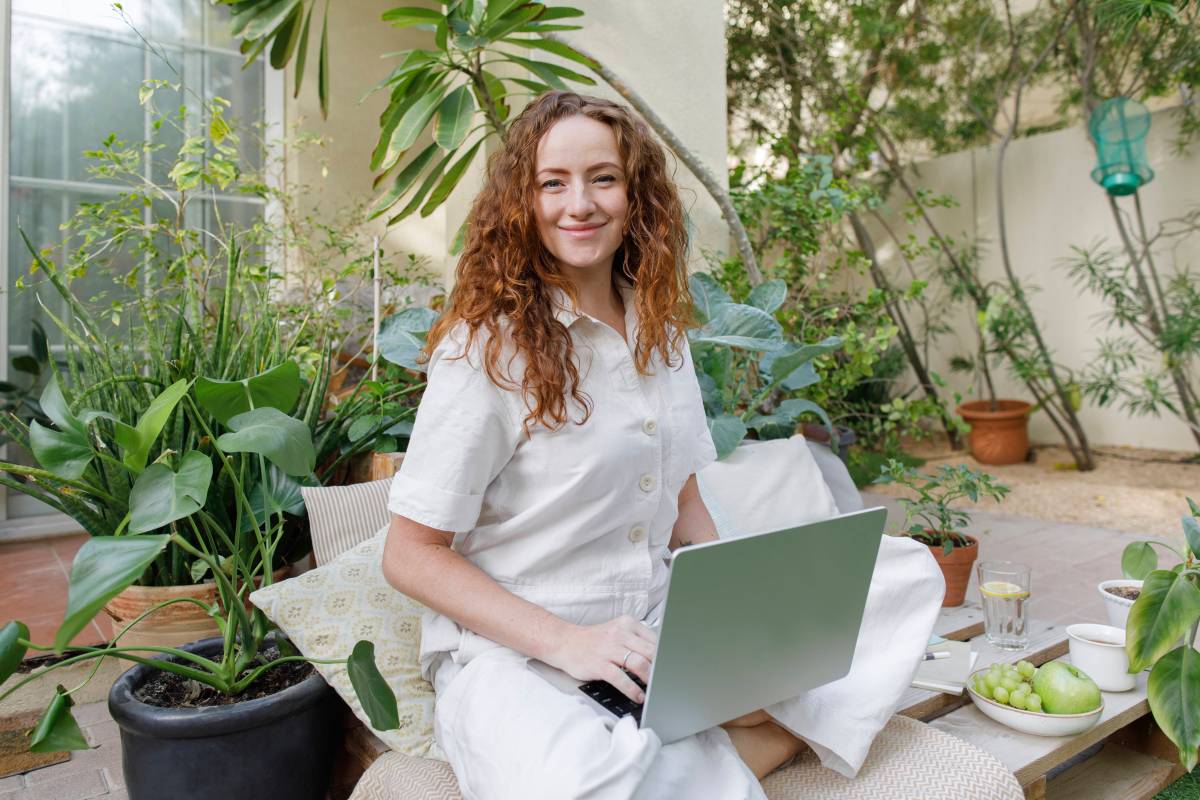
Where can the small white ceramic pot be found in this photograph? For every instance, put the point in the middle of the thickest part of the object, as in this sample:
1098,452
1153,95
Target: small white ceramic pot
1099,650
1117,607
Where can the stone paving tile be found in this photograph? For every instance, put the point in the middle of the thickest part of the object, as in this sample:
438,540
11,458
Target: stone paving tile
81,761
19,794
80,786
102,732
91,713
11,783
117,795
114,776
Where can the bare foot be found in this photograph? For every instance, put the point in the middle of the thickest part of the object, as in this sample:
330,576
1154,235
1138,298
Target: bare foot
764,747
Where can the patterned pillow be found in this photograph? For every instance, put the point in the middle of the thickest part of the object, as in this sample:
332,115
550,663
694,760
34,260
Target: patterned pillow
326,610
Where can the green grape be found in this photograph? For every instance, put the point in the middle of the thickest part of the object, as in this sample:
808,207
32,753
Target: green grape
1000,694
981,688
1017,700
1010,683
1027,669
992,680
1021,691
1033,702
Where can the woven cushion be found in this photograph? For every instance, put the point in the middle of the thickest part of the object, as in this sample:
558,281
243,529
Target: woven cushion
899,767
339,517
326,610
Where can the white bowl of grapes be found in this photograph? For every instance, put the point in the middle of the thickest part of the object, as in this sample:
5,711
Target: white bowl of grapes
1056,699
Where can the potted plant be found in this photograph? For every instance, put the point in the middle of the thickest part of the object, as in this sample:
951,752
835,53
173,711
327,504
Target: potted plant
1161,634
749,373
189,718
999,427
930,519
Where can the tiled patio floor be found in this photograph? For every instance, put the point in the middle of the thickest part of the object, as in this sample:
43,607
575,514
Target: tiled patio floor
1068,561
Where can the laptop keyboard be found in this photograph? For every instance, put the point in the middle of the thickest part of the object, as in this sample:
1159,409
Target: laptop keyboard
612,699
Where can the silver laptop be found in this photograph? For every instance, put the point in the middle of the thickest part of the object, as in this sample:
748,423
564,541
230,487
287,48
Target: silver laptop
751,621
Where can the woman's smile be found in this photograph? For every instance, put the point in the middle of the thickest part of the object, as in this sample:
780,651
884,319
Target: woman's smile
582,231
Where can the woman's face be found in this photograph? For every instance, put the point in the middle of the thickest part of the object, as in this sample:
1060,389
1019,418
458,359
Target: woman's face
580,199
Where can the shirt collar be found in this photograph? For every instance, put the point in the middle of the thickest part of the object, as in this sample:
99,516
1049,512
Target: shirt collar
565,313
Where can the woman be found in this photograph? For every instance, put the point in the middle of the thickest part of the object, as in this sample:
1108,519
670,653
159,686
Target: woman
552,468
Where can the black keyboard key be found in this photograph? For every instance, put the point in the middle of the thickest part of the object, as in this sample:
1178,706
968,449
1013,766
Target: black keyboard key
612,699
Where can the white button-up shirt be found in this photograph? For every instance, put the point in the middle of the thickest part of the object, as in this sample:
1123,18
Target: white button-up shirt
576,520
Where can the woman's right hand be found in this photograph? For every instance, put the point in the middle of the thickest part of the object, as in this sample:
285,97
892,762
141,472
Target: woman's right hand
594,652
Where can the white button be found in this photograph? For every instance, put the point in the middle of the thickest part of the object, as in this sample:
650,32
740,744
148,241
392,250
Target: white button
637,533
650,426
647,483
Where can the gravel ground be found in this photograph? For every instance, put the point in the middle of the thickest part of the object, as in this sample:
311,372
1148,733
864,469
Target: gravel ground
1131,489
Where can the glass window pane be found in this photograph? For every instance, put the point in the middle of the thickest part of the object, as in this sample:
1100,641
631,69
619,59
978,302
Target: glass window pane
90,13
38,213
244,90
216,26
175,21
40,92
105,77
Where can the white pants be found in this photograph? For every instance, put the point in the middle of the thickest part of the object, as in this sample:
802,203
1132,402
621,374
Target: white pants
509,733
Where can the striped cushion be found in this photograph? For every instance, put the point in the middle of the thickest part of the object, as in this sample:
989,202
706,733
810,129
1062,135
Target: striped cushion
899,767
341,517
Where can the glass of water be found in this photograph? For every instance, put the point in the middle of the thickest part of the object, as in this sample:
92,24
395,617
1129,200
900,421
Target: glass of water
1004,591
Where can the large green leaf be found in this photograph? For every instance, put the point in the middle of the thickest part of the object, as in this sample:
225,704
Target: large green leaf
278,387
270,18
454,118
161,496
284,441
402,335
1191,530
57,730
797,407
506,23
727,433
1174,694
11,650
54,406
103,567
558,48
707,294
1167,607
136,442
431,178
450,180
404,180
740,326
1138,560
286,38
768,296
373,692
408,16
65,453
784,365
772,426
415,120
281,494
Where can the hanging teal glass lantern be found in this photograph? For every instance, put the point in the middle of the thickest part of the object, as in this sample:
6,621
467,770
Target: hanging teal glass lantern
1118,128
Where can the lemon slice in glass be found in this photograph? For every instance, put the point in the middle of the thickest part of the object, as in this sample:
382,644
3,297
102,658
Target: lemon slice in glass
1003,589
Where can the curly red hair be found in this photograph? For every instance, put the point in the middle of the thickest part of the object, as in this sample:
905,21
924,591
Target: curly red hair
506,273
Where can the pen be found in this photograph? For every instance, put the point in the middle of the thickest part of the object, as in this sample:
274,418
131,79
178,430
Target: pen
936,655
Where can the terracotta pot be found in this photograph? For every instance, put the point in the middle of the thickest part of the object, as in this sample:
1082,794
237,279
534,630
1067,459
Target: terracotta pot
1000,436
173,625
956,568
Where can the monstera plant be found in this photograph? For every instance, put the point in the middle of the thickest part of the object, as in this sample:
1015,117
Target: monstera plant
1161,634
750,374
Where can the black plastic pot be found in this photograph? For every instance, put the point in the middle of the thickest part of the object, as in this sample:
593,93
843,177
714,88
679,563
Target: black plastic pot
276,747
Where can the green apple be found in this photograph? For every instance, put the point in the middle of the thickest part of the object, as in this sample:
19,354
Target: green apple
1065,689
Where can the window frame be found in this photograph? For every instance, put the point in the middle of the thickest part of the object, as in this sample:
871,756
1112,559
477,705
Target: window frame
53,523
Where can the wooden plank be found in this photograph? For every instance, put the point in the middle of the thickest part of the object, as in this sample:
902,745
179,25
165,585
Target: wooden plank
960,623
1046,643
1115,773
1144,736
1035,790
1030,757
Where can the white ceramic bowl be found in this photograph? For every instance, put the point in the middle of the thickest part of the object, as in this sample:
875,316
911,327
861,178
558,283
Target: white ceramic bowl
1117,607
1036,722
1099,650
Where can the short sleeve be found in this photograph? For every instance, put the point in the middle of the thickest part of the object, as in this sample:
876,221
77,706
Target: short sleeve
697,436
462,437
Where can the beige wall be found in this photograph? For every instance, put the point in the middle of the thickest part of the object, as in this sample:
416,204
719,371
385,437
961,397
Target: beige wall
672,52
1052,204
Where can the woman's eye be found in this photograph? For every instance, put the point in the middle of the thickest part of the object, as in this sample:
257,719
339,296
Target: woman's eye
608,178
550,183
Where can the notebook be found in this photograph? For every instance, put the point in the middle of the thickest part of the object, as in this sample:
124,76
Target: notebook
947,675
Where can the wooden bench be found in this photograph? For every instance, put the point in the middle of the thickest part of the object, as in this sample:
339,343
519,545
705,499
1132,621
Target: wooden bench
1124,756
